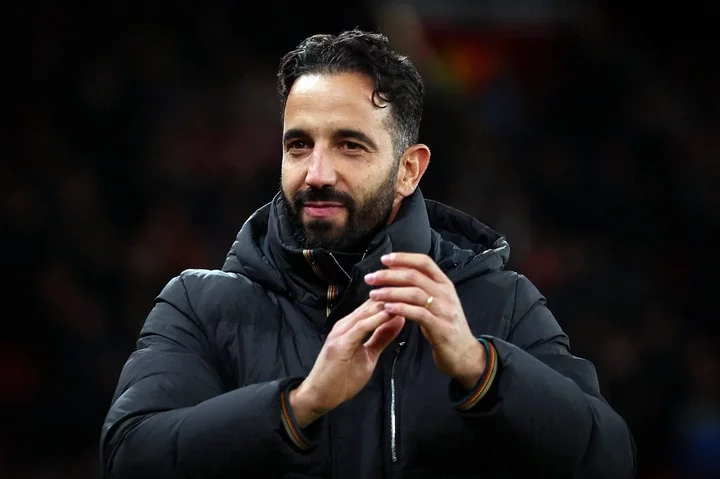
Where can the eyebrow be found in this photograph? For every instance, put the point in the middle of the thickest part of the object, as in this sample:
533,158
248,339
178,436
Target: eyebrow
295,133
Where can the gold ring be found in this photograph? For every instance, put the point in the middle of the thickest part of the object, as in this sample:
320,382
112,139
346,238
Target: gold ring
429,302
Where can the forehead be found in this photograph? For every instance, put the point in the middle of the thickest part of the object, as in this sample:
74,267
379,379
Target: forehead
334,101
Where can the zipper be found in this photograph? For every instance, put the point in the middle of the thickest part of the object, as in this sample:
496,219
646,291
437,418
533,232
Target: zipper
332,289
393,407
329,298
308,255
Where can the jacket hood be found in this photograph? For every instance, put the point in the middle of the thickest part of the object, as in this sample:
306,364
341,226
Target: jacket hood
246,256
462,246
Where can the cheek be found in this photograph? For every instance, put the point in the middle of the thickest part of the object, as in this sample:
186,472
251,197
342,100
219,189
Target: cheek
291,179
360,189
371,185
361,175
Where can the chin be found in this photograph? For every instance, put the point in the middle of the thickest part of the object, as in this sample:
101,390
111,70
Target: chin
322,232
330,225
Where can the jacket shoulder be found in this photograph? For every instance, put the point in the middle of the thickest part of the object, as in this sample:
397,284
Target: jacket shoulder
206,280
213,296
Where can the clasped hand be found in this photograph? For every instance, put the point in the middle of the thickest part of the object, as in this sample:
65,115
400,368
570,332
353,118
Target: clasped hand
347,360
405,288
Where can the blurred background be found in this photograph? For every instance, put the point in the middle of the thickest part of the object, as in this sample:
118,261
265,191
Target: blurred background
142,136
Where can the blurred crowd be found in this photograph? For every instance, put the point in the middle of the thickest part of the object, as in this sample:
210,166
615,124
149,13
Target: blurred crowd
142,138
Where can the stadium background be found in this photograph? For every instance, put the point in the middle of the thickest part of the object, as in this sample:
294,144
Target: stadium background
143,134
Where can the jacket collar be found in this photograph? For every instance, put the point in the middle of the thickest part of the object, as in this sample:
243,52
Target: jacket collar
308,272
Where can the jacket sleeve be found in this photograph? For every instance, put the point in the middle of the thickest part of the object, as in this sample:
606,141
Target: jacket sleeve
544,406
172,417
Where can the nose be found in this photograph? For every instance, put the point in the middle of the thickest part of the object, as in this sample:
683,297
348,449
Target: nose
321,171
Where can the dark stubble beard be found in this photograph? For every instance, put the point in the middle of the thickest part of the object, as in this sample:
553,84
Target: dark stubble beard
364,221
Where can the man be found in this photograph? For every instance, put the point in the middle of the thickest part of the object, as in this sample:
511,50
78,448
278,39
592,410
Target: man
356,329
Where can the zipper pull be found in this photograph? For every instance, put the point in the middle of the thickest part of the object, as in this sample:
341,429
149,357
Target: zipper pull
394,406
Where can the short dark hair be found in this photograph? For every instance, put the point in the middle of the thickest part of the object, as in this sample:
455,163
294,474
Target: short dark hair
397,81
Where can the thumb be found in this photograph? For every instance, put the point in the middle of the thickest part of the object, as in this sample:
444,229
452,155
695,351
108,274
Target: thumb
384,335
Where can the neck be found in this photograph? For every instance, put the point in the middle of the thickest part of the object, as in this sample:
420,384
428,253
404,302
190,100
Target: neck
397,203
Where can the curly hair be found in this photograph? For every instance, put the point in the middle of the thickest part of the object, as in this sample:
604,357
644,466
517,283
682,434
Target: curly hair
396,80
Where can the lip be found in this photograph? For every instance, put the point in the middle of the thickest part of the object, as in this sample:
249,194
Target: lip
322,204
322,209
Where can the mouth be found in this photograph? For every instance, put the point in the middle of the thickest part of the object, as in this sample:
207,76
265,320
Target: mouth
322,209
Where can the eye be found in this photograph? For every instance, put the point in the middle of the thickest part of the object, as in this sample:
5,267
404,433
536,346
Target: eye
352,146
297,145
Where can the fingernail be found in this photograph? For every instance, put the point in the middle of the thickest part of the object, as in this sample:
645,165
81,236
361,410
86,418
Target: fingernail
369,276
388,258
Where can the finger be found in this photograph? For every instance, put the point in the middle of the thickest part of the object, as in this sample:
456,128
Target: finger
365,310
359,331
418,314
420,262
406,294
402,277
384,335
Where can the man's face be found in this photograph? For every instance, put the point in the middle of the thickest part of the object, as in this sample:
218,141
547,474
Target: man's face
339,172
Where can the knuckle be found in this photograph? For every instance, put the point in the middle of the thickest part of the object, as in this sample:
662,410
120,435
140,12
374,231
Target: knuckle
400,308
356,328
364,310
364,325
332,348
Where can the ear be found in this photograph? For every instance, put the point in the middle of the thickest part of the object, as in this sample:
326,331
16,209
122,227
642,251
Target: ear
413,164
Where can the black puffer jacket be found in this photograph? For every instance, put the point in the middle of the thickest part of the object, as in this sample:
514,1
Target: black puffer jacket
199,398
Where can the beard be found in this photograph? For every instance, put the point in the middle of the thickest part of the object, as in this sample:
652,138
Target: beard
364,220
